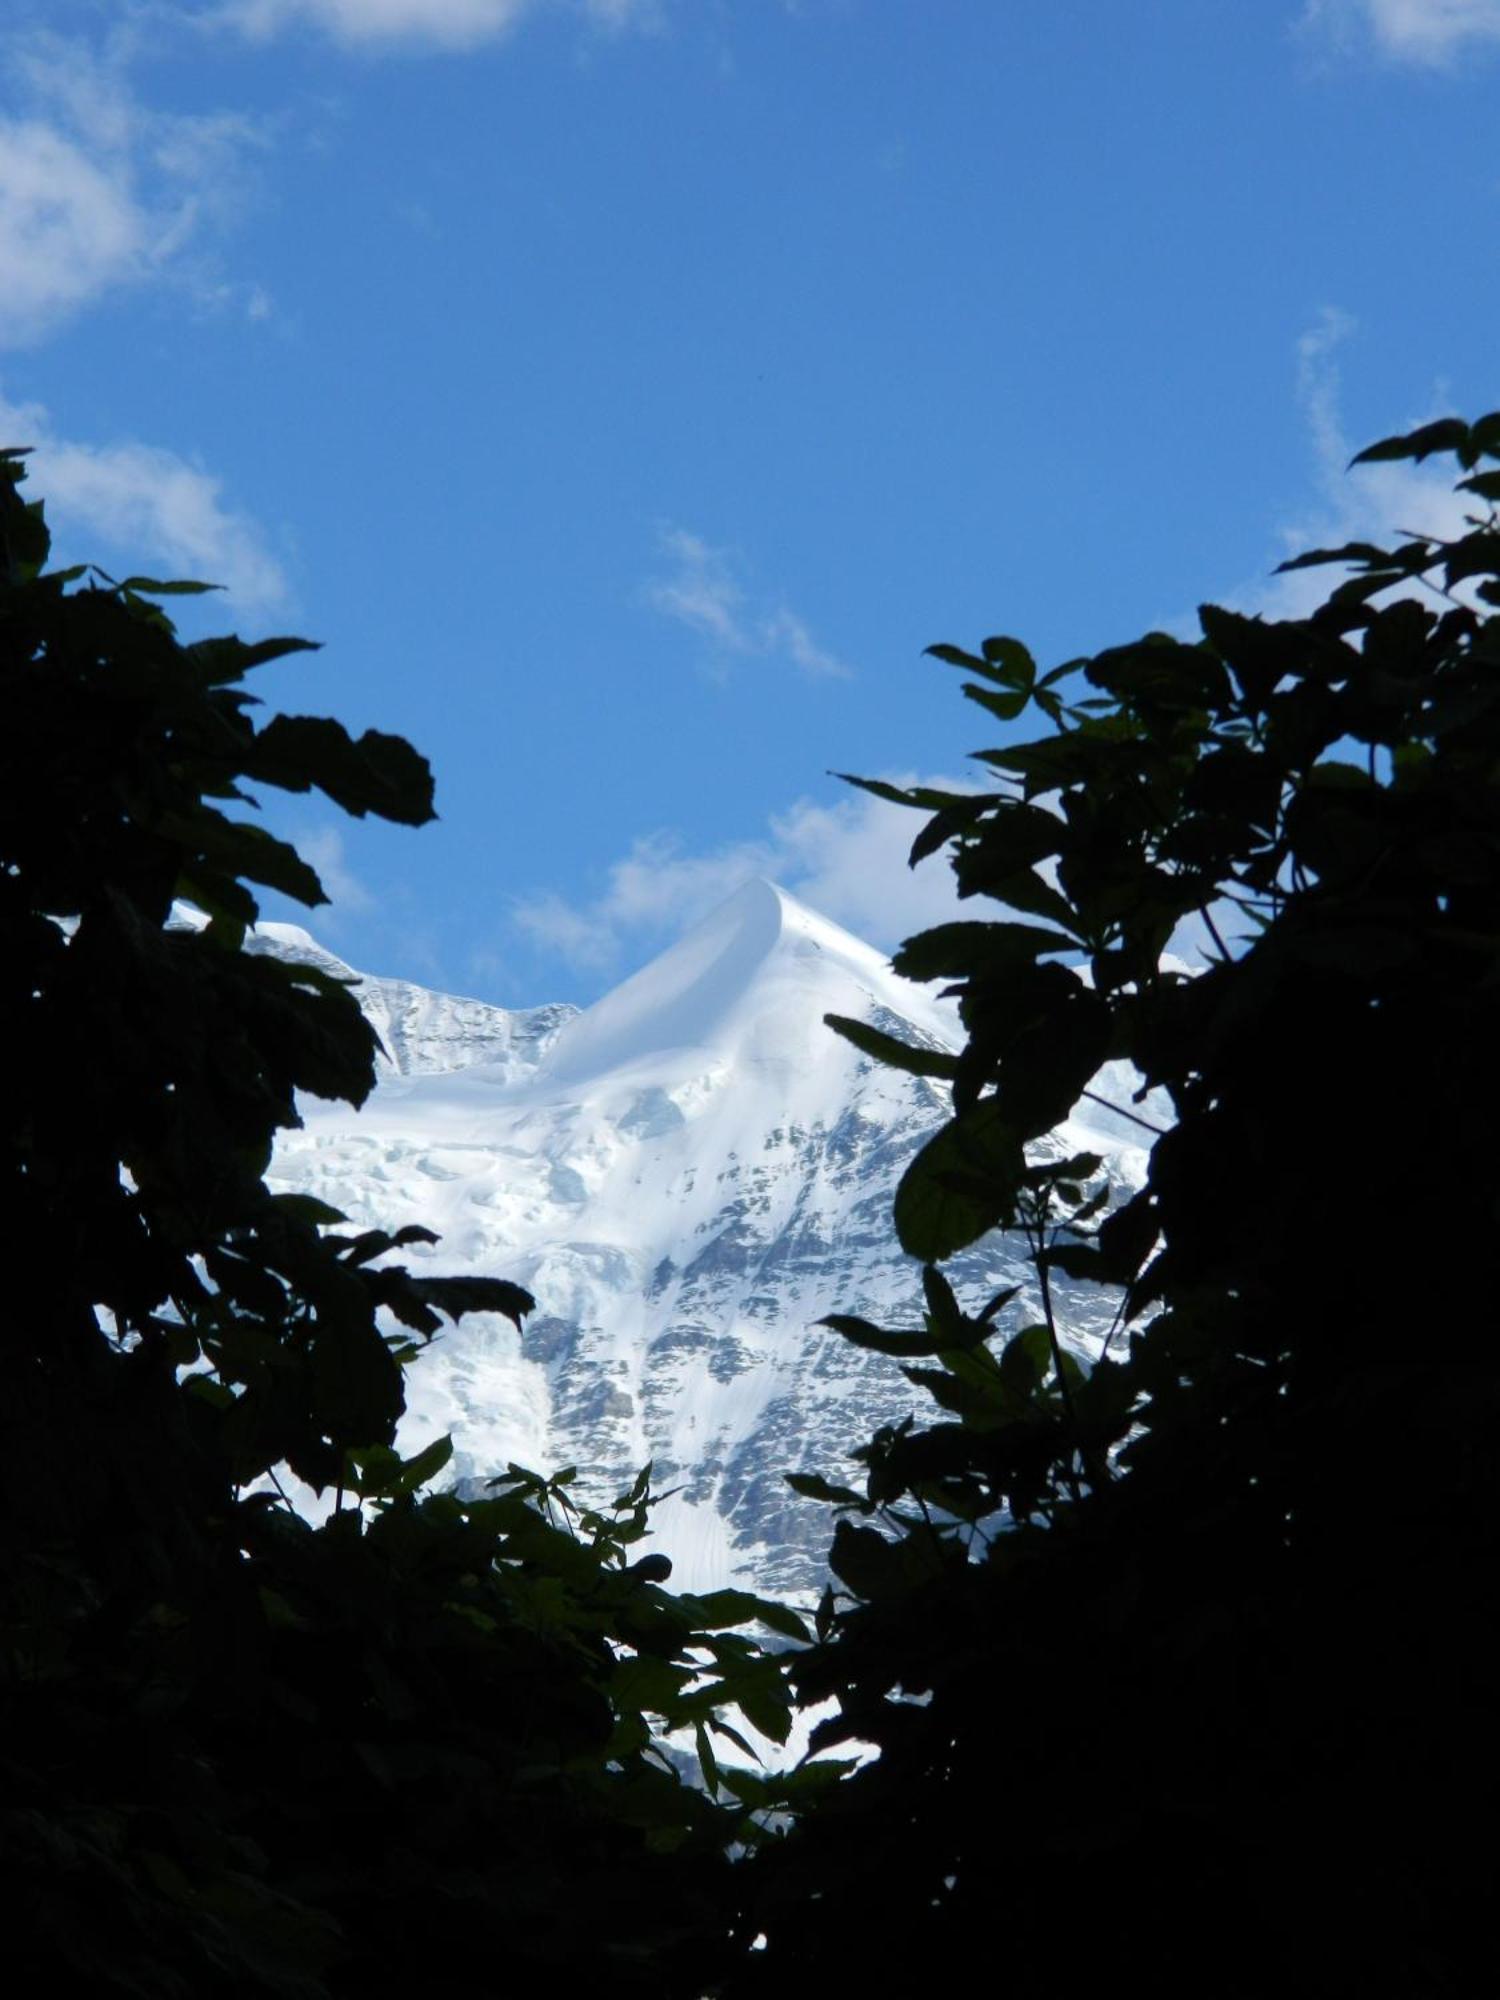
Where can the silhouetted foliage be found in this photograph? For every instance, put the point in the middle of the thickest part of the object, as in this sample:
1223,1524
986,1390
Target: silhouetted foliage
240,1754
1178,1664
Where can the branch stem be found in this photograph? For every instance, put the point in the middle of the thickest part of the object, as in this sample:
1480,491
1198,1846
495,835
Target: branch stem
1120,1112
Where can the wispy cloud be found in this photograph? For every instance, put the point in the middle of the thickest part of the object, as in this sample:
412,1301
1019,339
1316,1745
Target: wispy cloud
100,190
702,591
786,633
433,24
97,191
1426,32
68,230
149,505
847,860
1358,503
323,848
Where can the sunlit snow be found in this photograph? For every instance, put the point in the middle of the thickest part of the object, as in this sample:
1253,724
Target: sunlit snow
687,1176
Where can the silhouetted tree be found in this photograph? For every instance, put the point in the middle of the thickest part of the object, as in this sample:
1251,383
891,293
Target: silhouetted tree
240,1754
1179,1666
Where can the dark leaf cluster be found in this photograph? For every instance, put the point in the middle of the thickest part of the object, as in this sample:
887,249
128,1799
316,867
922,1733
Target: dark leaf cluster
242,1754
1176,1660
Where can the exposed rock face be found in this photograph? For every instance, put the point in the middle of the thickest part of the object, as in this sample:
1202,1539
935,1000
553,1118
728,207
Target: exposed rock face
423,1033
688,1175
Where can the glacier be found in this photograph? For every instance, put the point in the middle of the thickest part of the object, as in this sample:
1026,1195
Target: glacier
688,1175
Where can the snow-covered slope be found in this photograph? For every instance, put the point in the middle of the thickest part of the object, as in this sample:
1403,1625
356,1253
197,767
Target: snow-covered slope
420,1031
688,1176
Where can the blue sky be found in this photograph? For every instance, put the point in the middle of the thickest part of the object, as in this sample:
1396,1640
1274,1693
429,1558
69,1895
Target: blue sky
625,391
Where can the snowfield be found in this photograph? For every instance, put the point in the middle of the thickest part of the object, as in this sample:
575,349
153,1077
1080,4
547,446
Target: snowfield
688,1176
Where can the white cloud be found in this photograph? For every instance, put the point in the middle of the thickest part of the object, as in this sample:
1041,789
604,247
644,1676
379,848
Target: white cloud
847,860
586,939
1359,503
703,592
447,24
322,847
149,504
785,632
96,190
626,13
1430,32
99,190
439,24
68,229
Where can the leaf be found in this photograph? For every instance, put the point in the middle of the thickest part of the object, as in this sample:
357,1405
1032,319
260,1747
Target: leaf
812,1486
749,1787
372,1243
903,1345
1153,672
955,656
998,1303
247,1282
976,950
1004,707
222,660
948,1320
1023,890
1477,554
949,824
731,1735
1026,1358
640,1486
377,773
922,796
1258,654
889,1050
1364,553
457,1296
413,1232
707,1760
720,1610
1010,660
1016,834
245,849
356,1383
426,1464
961,1184
824,1617
149,586
1447,434
1078,1260
781,1618
864,1560
307,1208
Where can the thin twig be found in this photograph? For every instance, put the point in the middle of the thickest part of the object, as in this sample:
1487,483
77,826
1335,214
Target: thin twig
1213,930
1094,1098
1115,1324
1039,1249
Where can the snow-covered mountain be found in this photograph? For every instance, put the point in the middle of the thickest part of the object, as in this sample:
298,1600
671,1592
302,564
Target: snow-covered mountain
422,1032
688,1176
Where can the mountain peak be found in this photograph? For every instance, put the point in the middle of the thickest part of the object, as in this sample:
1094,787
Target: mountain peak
690,1177
751,980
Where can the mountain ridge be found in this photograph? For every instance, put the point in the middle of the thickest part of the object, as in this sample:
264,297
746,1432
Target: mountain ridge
688,1175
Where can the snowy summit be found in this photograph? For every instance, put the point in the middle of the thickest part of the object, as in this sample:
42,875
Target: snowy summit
688,1175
